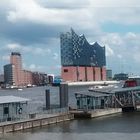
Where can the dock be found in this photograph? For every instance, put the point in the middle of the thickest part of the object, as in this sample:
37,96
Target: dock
12,126
95,113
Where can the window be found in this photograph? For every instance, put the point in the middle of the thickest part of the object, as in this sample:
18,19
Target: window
6,110
65,70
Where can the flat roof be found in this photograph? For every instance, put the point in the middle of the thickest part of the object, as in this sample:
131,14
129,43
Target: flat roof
91,93
12,99
116,90
80,83
137,88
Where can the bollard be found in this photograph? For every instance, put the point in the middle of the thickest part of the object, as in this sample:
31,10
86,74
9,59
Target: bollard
47,99
63,95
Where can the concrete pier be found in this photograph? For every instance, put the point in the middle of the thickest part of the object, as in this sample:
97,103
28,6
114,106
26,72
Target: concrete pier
91,83
96,113
31,123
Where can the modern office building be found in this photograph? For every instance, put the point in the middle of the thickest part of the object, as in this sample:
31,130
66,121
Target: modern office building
9,74
80,60
15,59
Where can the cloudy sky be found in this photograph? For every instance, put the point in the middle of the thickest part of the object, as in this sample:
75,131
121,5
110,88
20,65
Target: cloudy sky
32,27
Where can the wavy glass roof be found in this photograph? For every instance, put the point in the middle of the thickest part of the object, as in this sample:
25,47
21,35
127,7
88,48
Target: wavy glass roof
77,51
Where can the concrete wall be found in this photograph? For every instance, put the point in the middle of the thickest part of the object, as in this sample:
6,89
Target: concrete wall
96,113
103,112
16,126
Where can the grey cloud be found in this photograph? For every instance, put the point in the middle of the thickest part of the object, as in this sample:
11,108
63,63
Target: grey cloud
28,33
64,4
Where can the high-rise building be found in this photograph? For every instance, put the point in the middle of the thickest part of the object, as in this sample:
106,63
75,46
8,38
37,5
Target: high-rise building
15,59
14,75
9,74
80,60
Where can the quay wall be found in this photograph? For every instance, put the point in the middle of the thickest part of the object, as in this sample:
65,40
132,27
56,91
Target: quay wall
96,113
32,123
104,112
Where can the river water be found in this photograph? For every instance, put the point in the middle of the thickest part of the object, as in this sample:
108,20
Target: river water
123,126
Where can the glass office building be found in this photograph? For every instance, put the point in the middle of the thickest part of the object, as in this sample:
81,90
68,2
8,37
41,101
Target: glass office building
80,60
76,51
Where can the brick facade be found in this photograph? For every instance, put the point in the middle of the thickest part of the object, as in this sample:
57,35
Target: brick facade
80,73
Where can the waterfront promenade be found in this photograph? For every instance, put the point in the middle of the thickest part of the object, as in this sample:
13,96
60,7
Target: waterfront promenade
12,126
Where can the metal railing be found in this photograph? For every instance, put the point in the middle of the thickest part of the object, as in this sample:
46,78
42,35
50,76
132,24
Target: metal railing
36,114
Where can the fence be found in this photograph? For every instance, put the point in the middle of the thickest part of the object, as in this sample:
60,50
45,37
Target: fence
32,123
36,114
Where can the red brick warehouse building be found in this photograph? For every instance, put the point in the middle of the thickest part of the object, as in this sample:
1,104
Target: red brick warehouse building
80,60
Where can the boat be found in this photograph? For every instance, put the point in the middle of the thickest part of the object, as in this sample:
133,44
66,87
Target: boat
102,87
29,86
11,87
20,89
132,81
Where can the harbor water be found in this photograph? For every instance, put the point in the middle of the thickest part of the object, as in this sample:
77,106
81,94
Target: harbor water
123,126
